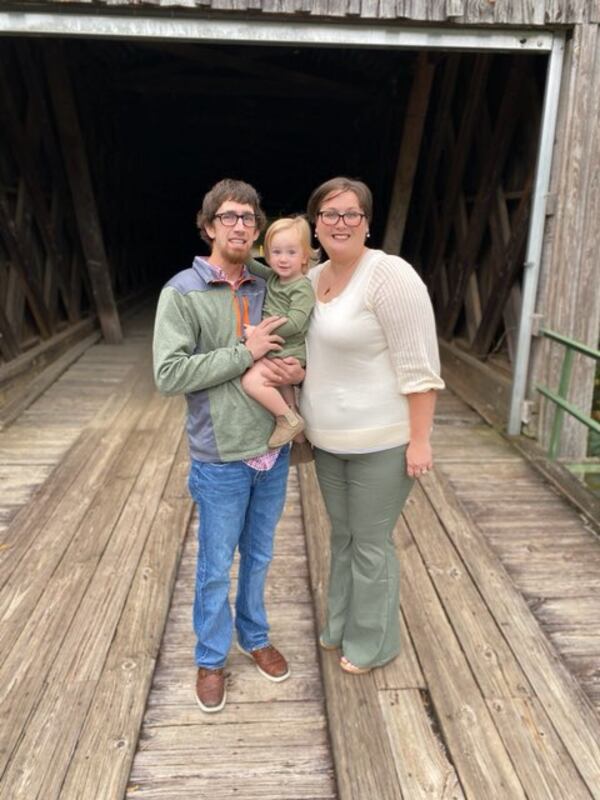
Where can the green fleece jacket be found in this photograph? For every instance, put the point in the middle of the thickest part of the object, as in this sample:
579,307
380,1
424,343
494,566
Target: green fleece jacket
197,352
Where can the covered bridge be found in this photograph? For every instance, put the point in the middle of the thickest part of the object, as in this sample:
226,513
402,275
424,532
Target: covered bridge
476,125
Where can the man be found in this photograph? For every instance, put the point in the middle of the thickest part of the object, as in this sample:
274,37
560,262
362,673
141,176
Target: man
239,485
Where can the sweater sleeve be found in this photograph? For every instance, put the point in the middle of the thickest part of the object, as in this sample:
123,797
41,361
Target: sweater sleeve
256,268
177,368
302,301
399,299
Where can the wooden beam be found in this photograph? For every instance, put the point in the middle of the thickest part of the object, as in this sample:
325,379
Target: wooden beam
24,156
505,274
9,346
62,209
478,384
435,149
508,116
474,92
80,181
408,155
32,292
248,66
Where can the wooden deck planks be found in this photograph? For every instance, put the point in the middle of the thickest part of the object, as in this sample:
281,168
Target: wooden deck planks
89,578
478,705
543,771
549,550
497,713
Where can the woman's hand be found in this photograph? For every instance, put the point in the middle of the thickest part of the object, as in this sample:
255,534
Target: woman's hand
261,339
419,458
283,371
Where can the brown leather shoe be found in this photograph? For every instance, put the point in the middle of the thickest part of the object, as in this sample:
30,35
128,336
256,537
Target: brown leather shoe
269,662
210,689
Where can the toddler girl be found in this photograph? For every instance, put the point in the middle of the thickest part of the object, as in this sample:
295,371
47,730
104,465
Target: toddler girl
289,294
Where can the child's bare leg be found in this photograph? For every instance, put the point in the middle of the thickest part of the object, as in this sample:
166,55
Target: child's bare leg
288,423
269,397
289,395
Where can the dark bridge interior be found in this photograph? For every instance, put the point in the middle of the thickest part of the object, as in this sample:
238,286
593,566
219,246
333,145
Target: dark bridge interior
167,121
161,122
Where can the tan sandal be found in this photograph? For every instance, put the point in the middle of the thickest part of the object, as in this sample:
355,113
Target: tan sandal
348,666
325,646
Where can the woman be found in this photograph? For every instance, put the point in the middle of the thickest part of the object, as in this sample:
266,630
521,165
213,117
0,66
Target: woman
368,400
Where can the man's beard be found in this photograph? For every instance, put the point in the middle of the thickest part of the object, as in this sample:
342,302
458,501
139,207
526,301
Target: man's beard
237,256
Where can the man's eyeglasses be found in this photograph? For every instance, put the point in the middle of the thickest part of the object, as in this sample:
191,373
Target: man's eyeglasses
351,218
230,218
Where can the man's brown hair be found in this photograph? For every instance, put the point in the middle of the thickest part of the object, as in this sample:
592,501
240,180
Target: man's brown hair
228,189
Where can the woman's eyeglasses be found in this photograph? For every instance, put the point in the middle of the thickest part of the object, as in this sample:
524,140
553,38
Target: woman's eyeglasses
351,218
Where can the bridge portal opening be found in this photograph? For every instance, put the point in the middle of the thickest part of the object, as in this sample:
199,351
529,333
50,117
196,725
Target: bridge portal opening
446,140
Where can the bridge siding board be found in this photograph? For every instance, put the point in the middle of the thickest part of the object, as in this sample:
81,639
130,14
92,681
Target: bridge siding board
568,296
475,12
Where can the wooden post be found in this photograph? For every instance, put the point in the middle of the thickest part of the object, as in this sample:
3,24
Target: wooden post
80,182
408,155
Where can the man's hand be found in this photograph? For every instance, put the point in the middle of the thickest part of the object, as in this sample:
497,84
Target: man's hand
262,340
283,371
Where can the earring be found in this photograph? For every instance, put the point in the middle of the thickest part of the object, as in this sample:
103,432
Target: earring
316,236
368,234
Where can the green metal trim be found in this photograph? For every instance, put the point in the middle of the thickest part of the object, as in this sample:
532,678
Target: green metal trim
571,343
563,389
559,399
570,408
584,469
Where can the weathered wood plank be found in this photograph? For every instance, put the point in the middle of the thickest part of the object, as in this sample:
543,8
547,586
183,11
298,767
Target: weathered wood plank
88,639
347,697
480,758
176,734
419,758
45,379
545,770
565,703
106,746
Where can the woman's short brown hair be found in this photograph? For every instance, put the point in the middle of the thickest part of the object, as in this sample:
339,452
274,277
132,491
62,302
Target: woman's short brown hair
228,189
337,186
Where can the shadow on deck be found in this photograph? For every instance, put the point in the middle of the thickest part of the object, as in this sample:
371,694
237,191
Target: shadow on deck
494,696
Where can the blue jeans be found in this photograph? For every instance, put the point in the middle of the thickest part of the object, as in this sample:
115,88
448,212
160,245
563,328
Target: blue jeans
239,507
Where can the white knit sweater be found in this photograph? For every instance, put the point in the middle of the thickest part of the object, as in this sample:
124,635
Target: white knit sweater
366,349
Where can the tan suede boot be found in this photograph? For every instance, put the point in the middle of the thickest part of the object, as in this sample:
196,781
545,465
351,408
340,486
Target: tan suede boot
287,426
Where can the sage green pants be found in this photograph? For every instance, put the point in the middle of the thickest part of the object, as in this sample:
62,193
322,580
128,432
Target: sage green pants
364,495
